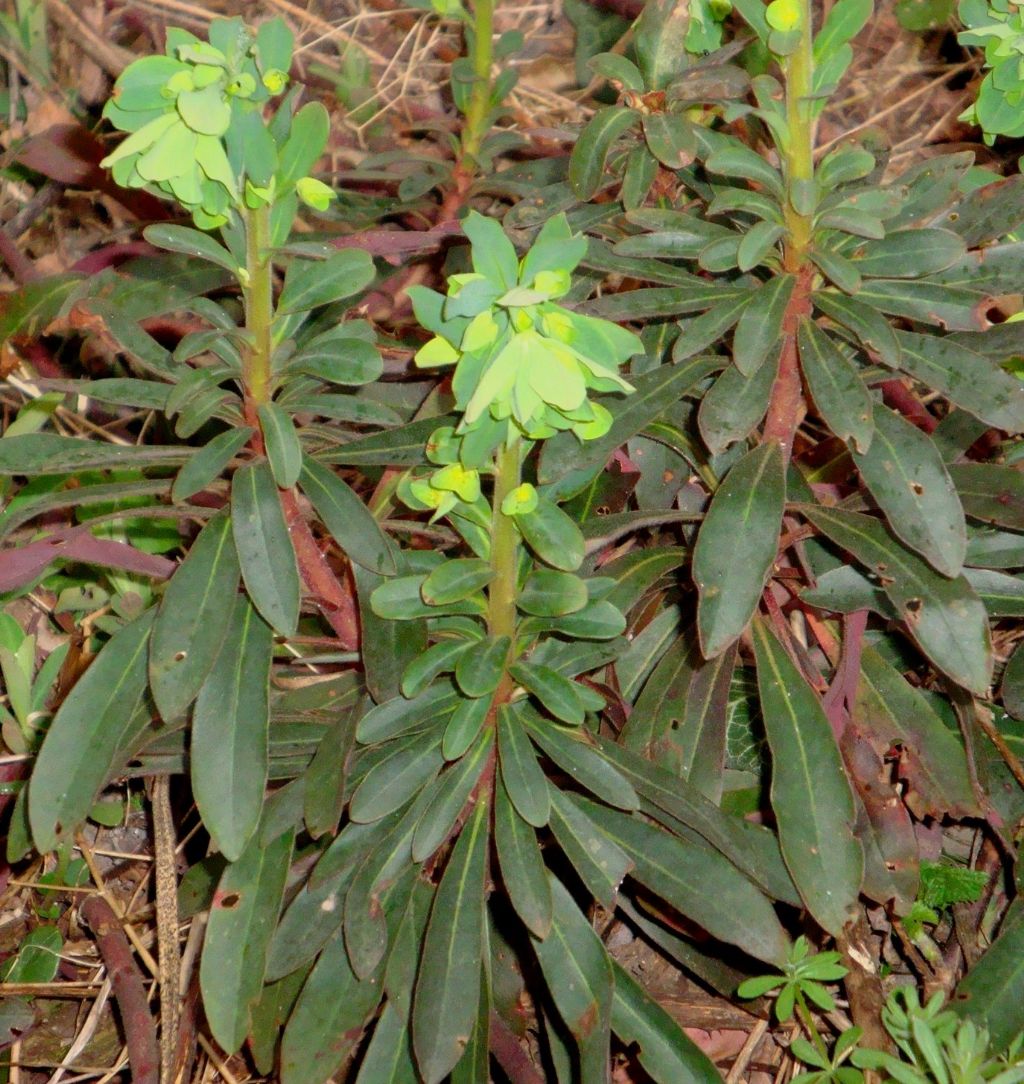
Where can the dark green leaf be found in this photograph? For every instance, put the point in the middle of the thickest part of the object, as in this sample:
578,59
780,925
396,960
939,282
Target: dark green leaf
587,162
447,993
965,377
761,324
479,671
388,1058
191,243
455,580
310,128
735,404
99,719
836,387
1012,688
463,727
865,322
193,616
451,792
265,547
580,978
548,593
908,253
905,474
702,733
282,443
208,463
552,535
393,781
241,924
992,993
670,138
387,646
600,863
736,546
583,763
310,283
953,308
988,213
945,617
347,518
665,1051
556,694
810,792
48,453
229,757
659,37
521,774
522,865
991,492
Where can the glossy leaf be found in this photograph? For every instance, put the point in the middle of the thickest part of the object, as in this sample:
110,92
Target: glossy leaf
401,715
190,242
522,865
230,724
241,924
463,727
552,536
445,1005
347,518
193,616
945,617
454,580
102,716
736,546
580,978
264,547
836,387
810,792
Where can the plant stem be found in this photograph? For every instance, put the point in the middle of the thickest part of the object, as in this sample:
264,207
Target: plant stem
480,96
259,309
808,1022
800,150
501,595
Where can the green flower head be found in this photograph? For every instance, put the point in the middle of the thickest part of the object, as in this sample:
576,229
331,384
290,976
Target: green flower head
521,358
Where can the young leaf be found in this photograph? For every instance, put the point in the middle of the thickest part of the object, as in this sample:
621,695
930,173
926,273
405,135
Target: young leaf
242,920
265,547
522,865
230,724
736,546
347,518
306,142
99,719
193,616
836,387
810,792
445,1005
905,474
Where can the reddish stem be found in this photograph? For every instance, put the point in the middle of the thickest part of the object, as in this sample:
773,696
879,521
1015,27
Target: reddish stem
787,406
129,990
335,600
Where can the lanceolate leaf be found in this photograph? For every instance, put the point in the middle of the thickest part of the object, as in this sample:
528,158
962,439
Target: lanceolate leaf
447,994
810,793
347,518
230,725
735,404
905,474
193,615
992,994
736,546
48,453
600,863
522,775
310,283
242,919
282,442
579,975
702,734
760,324
665,1051
522,865
100,717
586,165
264,547
991,492
867,323
966,378
945,617
659,36
836,387
209,462
388,1058
932,758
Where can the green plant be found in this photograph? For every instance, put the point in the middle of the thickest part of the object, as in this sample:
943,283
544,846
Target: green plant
551,699
998,27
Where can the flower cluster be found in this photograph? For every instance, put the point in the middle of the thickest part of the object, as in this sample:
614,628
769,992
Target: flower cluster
997,26
195,124
524,365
